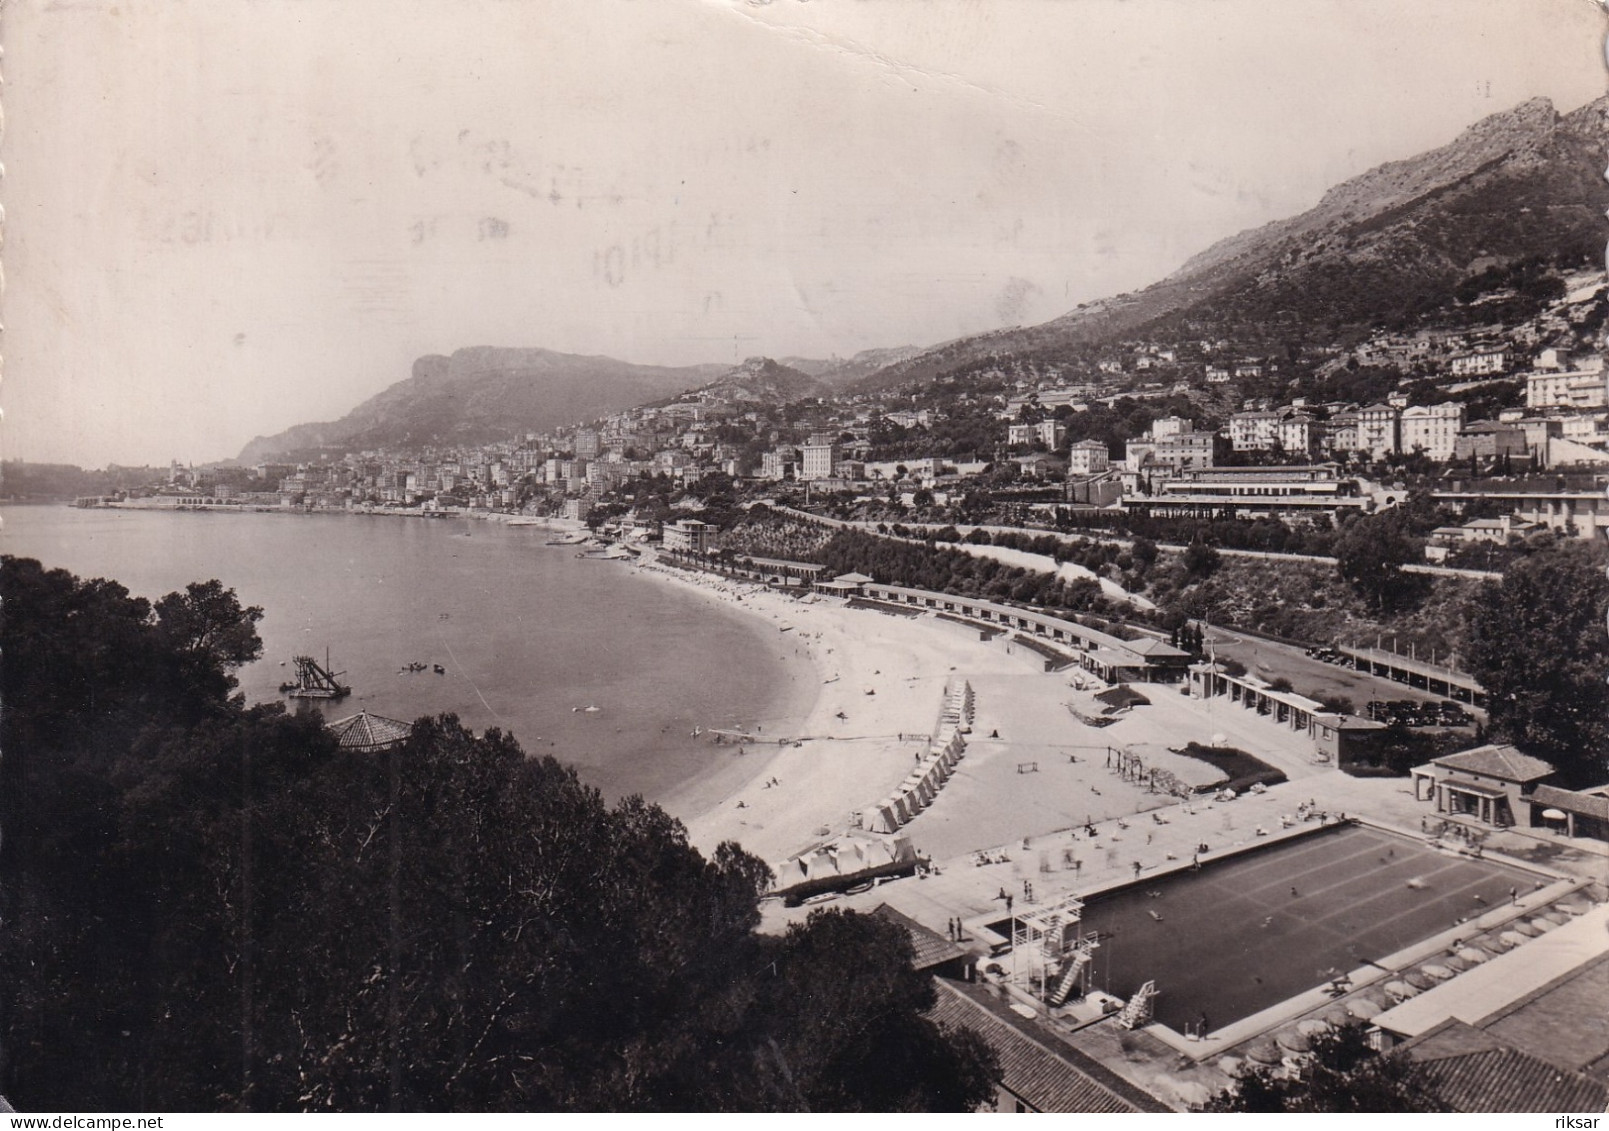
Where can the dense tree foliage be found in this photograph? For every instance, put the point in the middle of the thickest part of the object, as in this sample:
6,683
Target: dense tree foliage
945,570
1344,1075
1537,642
1370,554
1229,533
210,906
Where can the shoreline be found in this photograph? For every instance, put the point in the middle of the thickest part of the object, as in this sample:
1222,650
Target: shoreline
789,712
879,687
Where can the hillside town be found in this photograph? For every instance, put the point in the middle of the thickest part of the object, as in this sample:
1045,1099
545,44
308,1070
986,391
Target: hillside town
1509,424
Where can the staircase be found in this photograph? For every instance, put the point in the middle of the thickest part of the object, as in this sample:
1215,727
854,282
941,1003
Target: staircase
1137,1011
1069,977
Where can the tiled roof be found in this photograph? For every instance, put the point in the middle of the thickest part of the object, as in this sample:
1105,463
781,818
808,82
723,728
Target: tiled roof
1571,801
364,731
1507,1080
1046,1078
1497,761
931,948
1565,1022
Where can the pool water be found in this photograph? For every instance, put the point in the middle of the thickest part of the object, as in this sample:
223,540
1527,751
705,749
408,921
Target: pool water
1250,931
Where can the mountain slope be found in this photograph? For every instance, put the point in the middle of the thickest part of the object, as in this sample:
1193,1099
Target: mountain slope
485,393
1377,248
844,371
764,381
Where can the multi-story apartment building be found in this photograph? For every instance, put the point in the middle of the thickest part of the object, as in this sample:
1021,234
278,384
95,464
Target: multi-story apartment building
1050,433
1298,434
689,535
1341,433
818,460
1178,452
1377,431
1432,429
1482,362
1568,389
1164,426
1088,457
1254,431
775,463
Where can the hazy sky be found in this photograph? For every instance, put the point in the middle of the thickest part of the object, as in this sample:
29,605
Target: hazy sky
225,217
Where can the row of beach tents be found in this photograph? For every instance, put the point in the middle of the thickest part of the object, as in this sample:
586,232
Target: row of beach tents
923,783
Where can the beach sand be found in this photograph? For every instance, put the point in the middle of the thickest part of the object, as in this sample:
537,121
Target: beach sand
1031,768
849,748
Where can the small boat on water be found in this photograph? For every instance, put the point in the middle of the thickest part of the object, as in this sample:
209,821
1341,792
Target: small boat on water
314,681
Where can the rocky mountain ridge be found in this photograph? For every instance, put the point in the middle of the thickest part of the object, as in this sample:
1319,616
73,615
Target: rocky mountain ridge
1383,245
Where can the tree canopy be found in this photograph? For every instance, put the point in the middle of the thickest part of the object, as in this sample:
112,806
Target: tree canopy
210,906
1344,1075
1538,644
1370,553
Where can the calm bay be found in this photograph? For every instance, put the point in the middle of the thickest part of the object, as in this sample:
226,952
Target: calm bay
528,634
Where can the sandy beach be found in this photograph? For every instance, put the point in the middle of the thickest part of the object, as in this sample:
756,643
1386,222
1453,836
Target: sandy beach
1031,770
879,686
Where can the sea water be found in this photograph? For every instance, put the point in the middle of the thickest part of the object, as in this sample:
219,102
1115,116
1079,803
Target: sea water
529,634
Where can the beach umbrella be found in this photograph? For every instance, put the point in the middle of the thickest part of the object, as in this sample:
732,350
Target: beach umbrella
1542,924
1470,954
1557,918
1455,964
1362,1008
1526,929
1264,1051
1337,1016
1573,906
1294,1040
1313,1027
1438,972
1419,980
1400,991
1554,815
1511,938
1230,1065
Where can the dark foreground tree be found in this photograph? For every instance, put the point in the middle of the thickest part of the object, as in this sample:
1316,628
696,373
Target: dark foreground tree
1344,1075
1538,644
852,1036
208,906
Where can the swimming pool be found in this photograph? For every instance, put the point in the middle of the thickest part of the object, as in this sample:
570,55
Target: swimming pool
1249,931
